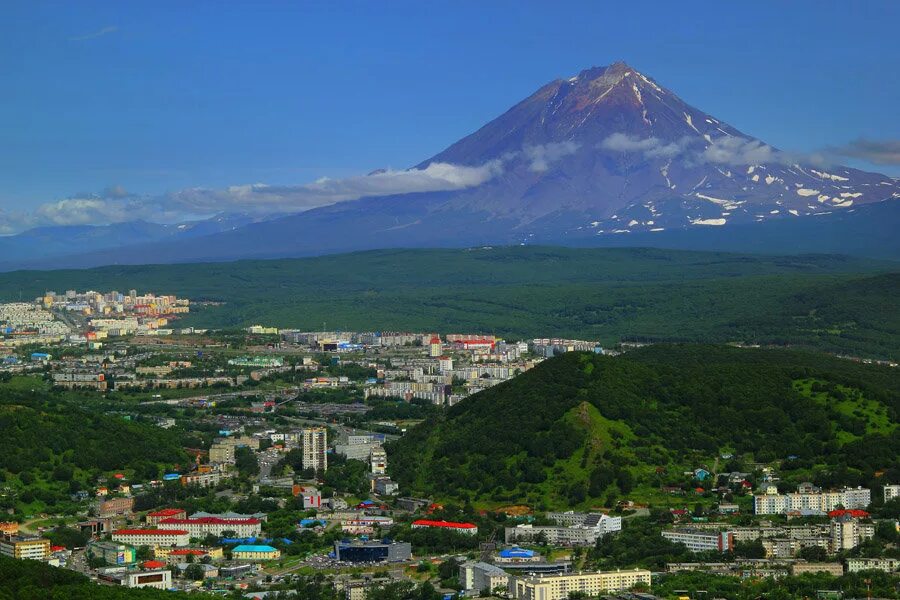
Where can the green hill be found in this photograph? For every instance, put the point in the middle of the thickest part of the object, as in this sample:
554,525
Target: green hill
833,303
52,446
582,429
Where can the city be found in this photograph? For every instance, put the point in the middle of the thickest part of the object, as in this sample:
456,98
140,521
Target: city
508,300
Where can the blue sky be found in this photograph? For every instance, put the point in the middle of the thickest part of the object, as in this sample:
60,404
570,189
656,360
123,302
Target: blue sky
156,97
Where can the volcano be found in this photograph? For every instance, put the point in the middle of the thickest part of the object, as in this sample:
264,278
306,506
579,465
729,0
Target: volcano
607,157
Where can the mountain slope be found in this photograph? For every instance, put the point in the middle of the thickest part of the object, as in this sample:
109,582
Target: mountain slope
46,243
580,429
613,152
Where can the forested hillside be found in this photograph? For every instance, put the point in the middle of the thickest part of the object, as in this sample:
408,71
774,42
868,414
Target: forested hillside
33,580
583,428
833,303
52,447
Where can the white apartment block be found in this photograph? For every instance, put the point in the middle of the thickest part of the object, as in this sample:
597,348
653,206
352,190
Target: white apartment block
477,576
201,527
891,492
888,565
773,503
585,529
559,586
699,540
152,537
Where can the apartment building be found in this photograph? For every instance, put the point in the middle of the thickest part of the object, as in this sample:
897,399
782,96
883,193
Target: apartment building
315,448
115,506
477,576
848,532
888,565
700,540
152,537
891,492
377,460
153,518
25,547
559,586
201,527
573,529
810,500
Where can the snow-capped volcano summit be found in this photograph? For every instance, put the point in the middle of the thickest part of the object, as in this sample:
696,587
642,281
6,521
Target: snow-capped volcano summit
618,153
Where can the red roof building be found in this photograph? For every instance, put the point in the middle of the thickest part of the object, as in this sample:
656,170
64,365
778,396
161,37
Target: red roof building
853,512
166,513
215,526
187,551
467,528
153,564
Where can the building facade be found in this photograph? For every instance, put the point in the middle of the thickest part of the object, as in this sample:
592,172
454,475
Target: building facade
315,448
559,587
25,547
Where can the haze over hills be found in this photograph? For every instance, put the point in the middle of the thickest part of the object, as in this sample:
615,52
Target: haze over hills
608,157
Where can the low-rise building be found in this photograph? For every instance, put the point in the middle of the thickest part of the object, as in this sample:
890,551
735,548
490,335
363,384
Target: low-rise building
573,529
799,568
204,526
560,586
888,565
115,507
25,547
112,553
464,528
255,552
158,579
152,537
153,518
372,551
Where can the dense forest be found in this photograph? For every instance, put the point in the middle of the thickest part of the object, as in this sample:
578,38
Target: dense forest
833,303
34,580
51,447
582,428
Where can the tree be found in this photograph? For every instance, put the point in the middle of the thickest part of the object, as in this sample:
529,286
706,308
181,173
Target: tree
194,572
749,549
246,462
143,553
813,553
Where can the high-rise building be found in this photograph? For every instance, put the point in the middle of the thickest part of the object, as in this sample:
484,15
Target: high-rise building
315,448
378,460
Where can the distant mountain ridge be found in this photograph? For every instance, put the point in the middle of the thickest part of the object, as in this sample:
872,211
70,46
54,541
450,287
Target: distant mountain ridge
607,158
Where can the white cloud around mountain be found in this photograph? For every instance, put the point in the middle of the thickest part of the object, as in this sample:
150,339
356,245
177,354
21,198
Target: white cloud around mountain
116,205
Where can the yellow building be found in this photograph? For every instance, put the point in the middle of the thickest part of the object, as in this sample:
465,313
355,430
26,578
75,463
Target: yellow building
9,528
254,552
25,547
559,586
